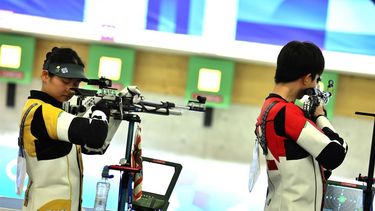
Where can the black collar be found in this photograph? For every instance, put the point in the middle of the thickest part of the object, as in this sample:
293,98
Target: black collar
35,94
273,95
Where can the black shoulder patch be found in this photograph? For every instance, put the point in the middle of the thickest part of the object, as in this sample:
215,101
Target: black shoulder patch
38,126
279,123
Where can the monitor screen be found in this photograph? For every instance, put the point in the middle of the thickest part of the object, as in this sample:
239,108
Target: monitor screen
343,196
156,177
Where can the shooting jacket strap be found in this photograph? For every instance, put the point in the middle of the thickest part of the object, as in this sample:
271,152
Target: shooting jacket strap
21,160
20,134
261,138
260,132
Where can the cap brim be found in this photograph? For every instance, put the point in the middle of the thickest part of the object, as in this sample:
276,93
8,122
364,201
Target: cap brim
67,70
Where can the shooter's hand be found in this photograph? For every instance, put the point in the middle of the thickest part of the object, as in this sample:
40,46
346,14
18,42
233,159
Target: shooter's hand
319,111
131,92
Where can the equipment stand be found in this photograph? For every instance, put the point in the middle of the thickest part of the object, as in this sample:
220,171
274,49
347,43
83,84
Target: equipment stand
125,188
368,196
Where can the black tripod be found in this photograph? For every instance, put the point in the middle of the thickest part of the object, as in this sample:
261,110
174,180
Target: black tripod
367,193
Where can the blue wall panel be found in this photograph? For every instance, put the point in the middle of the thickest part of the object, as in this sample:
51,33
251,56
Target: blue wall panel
175,16
71,10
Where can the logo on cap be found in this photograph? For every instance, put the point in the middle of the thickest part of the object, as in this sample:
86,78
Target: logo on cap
63,70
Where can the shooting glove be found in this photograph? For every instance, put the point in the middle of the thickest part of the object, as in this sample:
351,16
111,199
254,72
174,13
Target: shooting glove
99,114
131,92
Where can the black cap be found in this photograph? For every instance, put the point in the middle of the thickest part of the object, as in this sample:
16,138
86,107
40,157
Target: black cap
67,70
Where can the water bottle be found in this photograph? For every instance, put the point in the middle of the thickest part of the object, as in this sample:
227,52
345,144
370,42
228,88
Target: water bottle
102,189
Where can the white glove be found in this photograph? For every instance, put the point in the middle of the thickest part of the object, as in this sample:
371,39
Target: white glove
131,92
